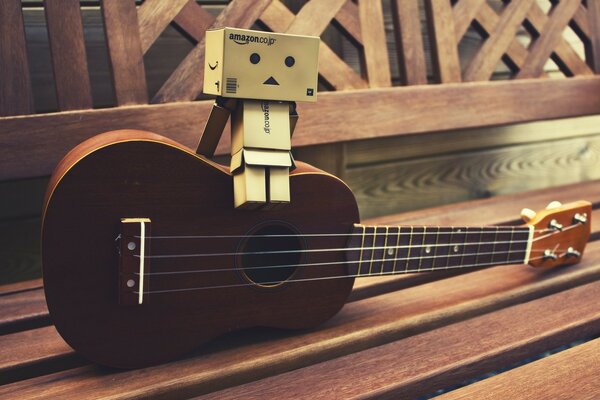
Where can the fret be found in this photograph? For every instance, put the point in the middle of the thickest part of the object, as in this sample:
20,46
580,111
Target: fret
457,247
512,233
362,246
403,255
519,245
442,250
428,247
486,245
416,241
391,253
385,249
502,245
368,250
376,254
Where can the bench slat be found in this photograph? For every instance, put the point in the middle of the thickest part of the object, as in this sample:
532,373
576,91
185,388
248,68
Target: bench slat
594,35
376,59
364,324
570,374
482,66
444,47
31,146
409,42
23,310
550,35
186,81
70,68
125,51
154,16
15,86
422,364
194,20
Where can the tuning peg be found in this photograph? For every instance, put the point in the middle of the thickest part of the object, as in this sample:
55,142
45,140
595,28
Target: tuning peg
553,204
550,255
571,252
527,214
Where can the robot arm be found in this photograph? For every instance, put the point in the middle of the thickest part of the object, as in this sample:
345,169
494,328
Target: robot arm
215,125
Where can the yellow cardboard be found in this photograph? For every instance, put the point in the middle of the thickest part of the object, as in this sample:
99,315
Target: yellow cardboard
241,63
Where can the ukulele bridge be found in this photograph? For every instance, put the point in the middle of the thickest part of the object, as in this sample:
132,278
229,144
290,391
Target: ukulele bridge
134,249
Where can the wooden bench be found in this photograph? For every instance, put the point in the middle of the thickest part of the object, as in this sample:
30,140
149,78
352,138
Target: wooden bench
398,337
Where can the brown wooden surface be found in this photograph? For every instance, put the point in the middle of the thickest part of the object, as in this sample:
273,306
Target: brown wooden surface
419,365
483,64
594,34
407,28
65,34
154,16
373,38
382,317
194,20
570,374
15,86
125,51
424,108
550,35
444,52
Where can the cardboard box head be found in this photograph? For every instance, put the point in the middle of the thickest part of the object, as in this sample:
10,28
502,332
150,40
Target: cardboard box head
241,63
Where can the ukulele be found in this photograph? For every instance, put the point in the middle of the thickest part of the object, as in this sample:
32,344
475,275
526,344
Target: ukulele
145,257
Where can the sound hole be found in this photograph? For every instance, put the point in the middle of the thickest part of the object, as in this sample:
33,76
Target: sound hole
276,254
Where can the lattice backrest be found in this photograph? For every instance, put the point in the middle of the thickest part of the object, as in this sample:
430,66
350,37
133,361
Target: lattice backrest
131,31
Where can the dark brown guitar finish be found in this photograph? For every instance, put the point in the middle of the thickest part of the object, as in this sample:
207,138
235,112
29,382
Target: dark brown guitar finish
140,174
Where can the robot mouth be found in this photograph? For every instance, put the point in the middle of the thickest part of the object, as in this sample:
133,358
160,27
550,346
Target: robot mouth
271,81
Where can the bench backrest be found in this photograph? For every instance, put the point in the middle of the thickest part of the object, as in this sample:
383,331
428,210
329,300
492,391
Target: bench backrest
358,105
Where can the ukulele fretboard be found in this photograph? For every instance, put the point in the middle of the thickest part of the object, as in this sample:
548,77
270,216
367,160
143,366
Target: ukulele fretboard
391,249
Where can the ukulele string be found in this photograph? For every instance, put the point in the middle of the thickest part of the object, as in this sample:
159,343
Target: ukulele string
322,250
318,278
163,256
336,263
366,234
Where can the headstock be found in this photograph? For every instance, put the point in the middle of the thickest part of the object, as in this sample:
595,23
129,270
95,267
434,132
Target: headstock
560,233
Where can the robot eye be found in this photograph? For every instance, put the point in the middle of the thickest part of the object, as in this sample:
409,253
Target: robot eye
290,61
254,58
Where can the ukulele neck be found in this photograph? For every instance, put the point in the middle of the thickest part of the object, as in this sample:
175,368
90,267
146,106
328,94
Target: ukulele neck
385,250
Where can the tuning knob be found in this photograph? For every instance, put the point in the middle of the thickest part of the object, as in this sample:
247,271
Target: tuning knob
553,204
527,214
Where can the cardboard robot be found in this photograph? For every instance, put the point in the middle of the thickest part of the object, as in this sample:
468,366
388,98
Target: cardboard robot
258,77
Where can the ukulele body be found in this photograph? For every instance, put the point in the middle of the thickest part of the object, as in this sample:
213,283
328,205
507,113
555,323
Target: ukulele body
213,277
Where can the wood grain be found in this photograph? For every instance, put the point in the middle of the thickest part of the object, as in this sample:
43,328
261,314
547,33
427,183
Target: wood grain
409,42
194,20
314,16
376,60
550,35
594,33
347,19
393,187
65,34
365,114
125,51
53,135
464,12
440,358
570,374
483,64
564,55
23,310
361,325
185,83
15,88
444,48
154,16
364,152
